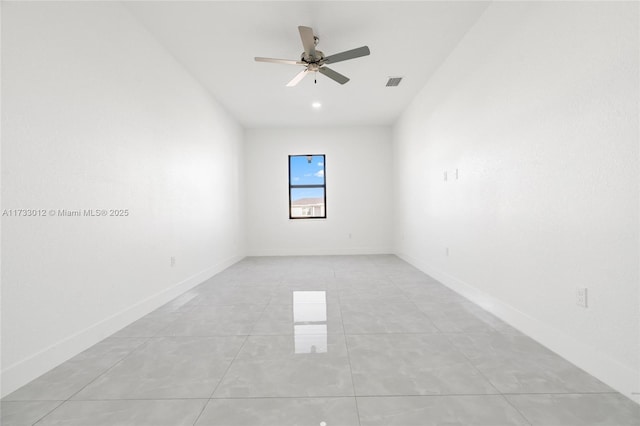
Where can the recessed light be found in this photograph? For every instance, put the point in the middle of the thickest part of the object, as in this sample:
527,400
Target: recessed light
316,105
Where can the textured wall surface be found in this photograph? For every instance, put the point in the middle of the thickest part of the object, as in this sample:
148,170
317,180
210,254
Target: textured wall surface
537,110
96,115
358,178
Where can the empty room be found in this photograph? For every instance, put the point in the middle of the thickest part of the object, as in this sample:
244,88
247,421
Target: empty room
323,213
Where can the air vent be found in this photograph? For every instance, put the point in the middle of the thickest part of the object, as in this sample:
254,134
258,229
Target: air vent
394,81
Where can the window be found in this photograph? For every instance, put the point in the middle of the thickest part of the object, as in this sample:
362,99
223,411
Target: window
307,189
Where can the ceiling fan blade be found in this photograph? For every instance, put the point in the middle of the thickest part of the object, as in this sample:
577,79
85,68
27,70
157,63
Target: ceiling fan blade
349,54
279,61
308,41
336,76
297,78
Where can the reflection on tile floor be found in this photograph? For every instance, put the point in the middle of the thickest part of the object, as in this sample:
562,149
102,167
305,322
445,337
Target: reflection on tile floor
357,341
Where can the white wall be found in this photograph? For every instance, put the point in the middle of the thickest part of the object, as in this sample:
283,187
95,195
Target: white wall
538,109
96,115
358,179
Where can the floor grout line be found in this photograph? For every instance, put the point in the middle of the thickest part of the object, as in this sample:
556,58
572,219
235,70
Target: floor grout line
346,344
318,397
48,412
526,419
221,380
489,381
331,285
230,364
144,342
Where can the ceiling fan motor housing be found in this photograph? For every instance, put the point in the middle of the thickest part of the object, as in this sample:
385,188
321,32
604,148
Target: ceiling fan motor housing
316,59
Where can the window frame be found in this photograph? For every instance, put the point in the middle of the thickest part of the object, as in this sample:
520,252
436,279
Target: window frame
323,186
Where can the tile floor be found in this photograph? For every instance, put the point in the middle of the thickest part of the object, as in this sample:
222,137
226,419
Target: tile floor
318,341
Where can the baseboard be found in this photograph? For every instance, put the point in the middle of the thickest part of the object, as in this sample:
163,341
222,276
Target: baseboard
620,377
318,251
24,371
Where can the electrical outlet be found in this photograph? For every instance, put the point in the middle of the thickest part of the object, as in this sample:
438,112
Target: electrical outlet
445,176
456,174
173,261
581,297
446,251
349,235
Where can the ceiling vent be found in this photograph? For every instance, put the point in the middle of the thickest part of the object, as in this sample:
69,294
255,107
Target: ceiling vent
394,81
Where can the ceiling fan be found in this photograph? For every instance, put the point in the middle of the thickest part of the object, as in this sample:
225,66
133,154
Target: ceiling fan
314,60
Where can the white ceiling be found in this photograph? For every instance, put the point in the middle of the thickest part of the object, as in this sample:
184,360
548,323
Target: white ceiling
217,41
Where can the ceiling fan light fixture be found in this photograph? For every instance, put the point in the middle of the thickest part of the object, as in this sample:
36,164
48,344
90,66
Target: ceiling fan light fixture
316,105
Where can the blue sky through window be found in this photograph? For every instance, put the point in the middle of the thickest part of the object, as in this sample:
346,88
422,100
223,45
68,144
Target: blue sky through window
299,193
305,173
